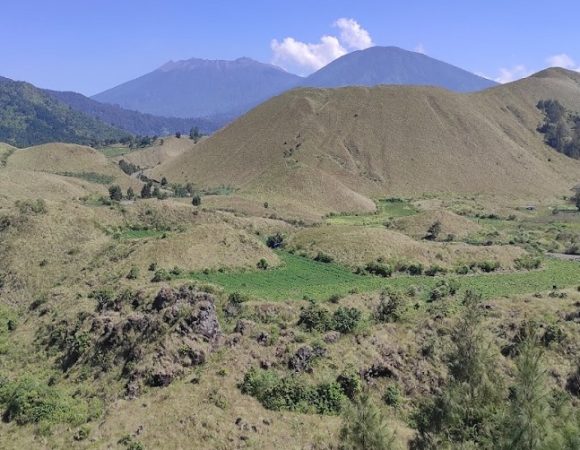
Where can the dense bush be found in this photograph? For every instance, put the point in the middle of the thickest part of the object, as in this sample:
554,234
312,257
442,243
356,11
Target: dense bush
434,270
196,200
292,394
115,193
275,241
392,306
29,400
323,258
379,269
161,275
444,288
528,262
316,318
346,320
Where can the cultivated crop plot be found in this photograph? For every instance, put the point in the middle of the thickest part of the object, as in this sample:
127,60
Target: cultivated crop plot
223,238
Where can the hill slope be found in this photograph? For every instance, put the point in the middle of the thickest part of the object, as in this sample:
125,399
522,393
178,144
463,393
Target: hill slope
330,149
29,116
392,65
133,121
197,88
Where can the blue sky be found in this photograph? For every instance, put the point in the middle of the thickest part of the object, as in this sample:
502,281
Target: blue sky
91,45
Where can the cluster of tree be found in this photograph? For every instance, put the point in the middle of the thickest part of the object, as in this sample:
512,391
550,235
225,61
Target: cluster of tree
561,128
477,408
128,168
139,141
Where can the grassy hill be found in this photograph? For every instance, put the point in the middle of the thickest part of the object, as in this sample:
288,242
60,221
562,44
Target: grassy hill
29,116
330,149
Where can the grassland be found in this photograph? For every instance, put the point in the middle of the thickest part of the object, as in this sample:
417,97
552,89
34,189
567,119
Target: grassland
301,277
386,209
111,152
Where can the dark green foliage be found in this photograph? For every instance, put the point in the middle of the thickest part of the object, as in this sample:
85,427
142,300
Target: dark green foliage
434,270
275,241
323,258
196,200
528,262
315,318
392,396
433,231
30,400
128,168
29,116
561,128
161,275
163,181
130,193
488,266
444,288
346,320
146,190
115,193
292,394
392,306
262,264
379,269
350,382
469,410
364,427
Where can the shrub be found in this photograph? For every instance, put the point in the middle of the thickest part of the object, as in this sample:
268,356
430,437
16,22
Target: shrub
444,288
392,306
291,393
115,193
275,241
379,269
488,266
415,269
346,320
315,318
364,427
528,262
29,400
196,200
392,396
161,275
133,273
334,298
435,270
350,382
323,258
262,264
433,231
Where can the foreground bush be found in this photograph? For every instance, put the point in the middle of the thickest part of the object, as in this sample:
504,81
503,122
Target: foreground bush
344,320
292,394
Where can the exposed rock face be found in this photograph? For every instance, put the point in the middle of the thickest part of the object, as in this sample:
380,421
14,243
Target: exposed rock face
153,344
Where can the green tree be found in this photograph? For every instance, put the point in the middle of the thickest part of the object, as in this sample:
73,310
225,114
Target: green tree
130,193
364,427
528,420
163,181
196,200
468,412
115,193
194,134
146,190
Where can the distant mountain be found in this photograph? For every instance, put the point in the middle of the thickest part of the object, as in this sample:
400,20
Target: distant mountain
198,88
133,121
393,65
29,116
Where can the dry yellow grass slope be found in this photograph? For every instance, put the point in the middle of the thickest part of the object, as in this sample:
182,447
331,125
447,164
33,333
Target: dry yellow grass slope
451,224
69,159
329,149
149,157
355,246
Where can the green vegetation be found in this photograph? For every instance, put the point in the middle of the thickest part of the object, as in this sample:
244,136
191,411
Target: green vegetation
561,128
91,177
29,116
386,209
292,393
299,277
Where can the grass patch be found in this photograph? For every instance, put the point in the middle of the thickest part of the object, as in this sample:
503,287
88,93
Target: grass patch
388,208
91,177
301,277
112,152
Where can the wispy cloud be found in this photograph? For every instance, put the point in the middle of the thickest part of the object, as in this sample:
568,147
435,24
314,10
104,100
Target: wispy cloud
304,57
420,48
507,75
562,60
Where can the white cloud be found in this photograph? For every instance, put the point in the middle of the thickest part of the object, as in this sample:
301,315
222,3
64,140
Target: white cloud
511,74
304,57
352,35
420,48
562,60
